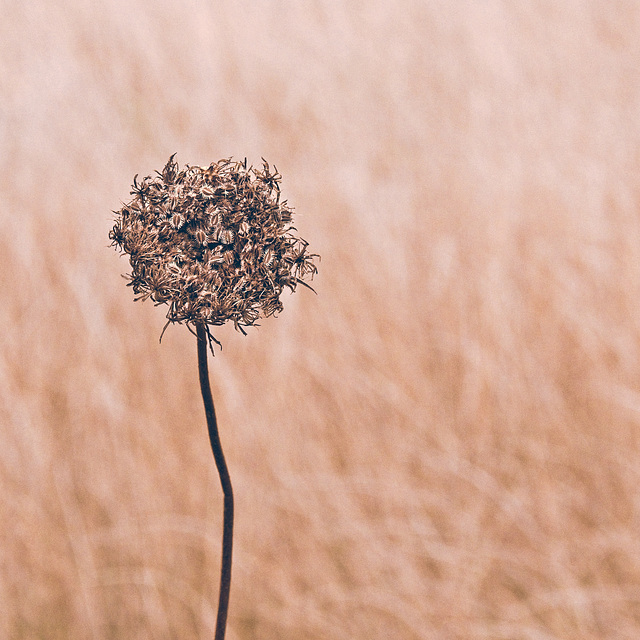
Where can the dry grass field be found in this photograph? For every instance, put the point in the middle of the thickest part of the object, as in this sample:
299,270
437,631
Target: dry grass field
444,443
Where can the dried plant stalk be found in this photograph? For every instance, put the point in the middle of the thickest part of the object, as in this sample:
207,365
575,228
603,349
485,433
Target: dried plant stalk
225,481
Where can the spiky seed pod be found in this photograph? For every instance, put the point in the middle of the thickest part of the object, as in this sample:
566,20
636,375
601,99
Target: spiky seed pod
226,236
177,221
200,236
213,243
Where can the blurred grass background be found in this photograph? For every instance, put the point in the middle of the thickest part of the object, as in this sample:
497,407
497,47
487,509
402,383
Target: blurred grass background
444,443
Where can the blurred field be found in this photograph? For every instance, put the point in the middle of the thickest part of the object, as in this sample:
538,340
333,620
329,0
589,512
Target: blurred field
444,443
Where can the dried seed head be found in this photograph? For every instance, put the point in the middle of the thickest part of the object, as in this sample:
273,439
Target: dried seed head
213,243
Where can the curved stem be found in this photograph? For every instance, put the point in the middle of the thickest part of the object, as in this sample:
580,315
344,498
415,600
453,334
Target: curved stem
225,481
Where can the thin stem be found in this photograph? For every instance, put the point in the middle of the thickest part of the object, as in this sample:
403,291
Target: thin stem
225,481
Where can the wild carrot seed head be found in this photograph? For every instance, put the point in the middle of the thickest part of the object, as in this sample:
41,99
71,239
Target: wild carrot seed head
214,244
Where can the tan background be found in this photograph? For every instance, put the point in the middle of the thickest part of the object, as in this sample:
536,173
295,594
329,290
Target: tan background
444,443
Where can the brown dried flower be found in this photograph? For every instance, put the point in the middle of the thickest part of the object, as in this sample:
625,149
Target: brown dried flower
214,244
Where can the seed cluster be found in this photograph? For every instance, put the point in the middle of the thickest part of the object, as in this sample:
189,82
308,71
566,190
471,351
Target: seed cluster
213,243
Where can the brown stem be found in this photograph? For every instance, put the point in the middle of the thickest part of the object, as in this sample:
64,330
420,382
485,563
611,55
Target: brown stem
225,481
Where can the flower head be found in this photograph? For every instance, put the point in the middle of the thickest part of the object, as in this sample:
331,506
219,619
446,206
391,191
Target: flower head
213,243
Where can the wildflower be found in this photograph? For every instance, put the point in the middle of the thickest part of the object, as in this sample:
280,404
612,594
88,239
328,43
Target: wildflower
215,244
